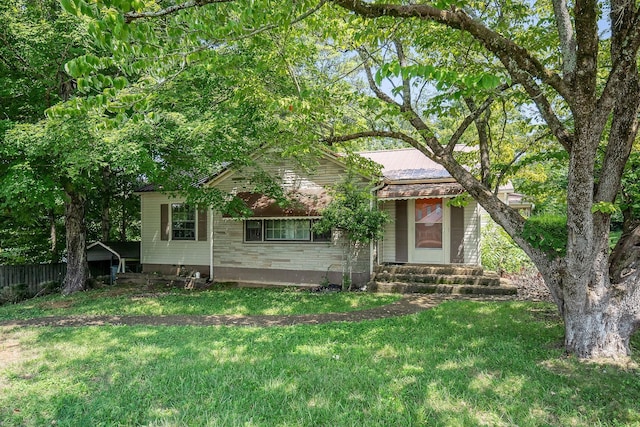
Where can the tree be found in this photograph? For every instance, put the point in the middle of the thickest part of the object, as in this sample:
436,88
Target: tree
353,217
586,94
35,42
570,75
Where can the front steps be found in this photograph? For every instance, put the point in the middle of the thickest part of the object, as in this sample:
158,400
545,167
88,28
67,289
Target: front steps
438,279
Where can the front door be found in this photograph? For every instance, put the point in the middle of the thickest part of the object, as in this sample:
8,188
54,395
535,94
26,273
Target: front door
427,231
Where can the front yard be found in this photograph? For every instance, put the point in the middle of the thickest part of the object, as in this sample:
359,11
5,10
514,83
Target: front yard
461,363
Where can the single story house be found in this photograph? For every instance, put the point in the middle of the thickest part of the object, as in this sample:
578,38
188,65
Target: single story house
277,244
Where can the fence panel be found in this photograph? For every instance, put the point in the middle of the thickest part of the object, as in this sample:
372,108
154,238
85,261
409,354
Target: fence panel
31,275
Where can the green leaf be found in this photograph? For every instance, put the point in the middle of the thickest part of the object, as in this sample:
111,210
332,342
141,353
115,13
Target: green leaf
606,208
68,6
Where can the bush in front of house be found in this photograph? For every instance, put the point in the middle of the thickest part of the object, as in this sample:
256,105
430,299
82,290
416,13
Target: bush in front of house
15,293
547,233
499,253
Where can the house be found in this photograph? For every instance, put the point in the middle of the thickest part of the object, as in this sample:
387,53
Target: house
277,244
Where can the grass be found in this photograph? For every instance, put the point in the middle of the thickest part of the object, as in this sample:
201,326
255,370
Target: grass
460,364
164,300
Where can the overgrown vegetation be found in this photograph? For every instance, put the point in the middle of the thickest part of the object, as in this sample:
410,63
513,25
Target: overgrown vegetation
547,233
499,253
15,293
355,220
462,363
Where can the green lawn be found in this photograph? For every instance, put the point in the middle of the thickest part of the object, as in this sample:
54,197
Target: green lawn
460,364
136,300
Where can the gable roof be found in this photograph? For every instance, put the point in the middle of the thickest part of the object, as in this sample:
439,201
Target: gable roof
407,164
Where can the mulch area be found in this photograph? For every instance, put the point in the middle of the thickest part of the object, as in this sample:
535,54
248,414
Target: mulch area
409,304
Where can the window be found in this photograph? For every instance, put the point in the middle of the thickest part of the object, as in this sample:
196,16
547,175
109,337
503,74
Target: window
183,222
253,231
428,223
282,230
275,229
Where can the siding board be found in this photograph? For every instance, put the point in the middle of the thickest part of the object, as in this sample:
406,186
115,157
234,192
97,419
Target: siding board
402,232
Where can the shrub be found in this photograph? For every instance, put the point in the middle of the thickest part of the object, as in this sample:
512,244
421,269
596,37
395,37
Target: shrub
15,293
547,233
499,253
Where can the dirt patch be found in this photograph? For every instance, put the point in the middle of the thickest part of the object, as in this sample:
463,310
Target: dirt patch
530,286
11,349
56,304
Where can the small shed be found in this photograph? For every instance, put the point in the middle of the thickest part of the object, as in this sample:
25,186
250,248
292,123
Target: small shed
104,255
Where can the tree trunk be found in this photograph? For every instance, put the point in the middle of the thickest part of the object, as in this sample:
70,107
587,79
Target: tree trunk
105,225
597,331
600,313
77,265
123,222
53,235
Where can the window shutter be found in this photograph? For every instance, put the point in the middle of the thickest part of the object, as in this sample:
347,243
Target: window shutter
457,235
164,221
202,225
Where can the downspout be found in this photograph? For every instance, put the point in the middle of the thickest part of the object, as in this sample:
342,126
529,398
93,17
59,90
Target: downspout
373,246
211,277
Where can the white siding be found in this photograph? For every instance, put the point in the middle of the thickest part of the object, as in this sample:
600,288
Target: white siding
229,248
389,239
325,173
472,233
231,251
169,252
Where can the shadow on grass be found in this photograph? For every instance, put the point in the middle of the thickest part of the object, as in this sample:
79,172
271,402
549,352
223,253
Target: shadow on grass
461,363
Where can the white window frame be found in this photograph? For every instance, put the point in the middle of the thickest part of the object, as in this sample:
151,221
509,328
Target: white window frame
183,225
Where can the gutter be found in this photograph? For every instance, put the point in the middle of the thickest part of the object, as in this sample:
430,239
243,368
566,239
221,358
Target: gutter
211,276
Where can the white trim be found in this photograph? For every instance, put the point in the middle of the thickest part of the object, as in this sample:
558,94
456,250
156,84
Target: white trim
429,255
448,196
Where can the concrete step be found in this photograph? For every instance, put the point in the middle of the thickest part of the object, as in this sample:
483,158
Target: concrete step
489,279
430,288
446,269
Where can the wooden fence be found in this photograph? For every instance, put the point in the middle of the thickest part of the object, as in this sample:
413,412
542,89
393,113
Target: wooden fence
34,276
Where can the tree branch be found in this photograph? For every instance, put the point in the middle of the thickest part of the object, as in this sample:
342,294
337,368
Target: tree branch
470,119
510,54
364,55
546,110
132,16
377,134
567,39
406,83
482,126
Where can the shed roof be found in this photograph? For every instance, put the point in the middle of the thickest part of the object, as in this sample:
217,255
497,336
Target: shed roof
127,250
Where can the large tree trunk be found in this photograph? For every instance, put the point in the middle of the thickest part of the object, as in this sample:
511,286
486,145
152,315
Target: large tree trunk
600,308
77,265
